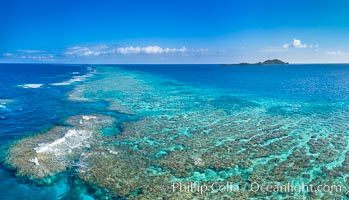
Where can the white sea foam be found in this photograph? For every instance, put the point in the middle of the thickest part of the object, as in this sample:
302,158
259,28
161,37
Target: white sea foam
75,98
88,117
75,79
5,101
31,85
72,139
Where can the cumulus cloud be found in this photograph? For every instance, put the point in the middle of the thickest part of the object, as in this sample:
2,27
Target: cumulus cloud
34,55
296,44
88,51
129,50
93,51
149,50
46,57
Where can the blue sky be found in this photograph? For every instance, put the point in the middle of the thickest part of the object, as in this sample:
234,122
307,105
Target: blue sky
174,31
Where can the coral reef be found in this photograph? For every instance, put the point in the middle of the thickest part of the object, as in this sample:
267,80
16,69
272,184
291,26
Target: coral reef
54,151
183,134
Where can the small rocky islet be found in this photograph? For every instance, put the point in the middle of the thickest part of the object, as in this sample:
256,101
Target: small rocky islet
266,62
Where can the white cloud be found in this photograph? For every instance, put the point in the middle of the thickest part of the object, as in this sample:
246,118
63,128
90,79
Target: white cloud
149,50
296,44
30,51
334,52
30,55
46,57
88,51
102,50
8,54
286,46
129,50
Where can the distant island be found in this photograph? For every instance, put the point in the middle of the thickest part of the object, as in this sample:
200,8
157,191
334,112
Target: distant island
267,62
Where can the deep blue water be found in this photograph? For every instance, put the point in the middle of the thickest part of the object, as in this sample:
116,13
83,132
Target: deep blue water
29,110
321,89
322,82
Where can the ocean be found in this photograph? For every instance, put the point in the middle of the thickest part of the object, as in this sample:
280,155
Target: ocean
173,131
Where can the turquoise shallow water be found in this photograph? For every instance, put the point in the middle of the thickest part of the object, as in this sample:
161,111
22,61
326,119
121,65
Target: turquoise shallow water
137,131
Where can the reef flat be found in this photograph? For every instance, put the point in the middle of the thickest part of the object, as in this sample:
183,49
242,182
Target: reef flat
187,134
46,155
